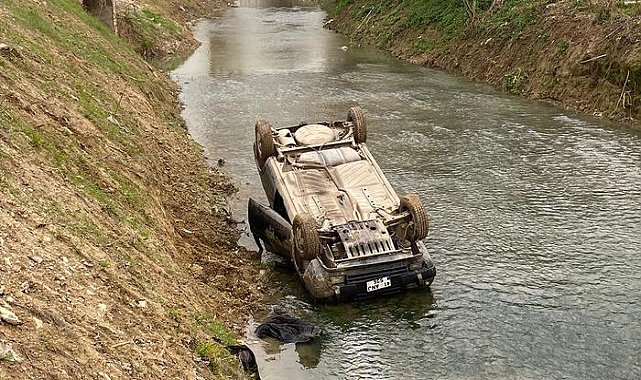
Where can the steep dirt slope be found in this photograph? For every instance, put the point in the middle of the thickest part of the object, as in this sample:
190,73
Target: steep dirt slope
158,28
584,55
116,252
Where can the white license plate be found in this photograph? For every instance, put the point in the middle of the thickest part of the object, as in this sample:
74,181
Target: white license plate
379,283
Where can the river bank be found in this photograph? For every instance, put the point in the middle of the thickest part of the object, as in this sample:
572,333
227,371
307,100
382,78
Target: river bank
117,255
581,55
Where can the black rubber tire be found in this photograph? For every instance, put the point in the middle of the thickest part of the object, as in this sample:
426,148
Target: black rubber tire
265,147
356,116
419,226
305,239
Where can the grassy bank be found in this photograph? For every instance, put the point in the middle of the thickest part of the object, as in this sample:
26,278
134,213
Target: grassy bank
583,55
116,252
163,27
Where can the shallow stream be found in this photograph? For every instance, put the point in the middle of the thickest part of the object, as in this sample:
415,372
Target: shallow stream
535,213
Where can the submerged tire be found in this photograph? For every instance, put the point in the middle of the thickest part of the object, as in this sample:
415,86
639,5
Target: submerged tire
356,116
419,226
306,241
265,147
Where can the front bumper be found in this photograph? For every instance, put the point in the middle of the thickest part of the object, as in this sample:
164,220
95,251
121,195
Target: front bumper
354,289
352,285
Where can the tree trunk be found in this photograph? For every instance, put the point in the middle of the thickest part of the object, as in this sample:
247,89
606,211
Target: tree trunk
104,10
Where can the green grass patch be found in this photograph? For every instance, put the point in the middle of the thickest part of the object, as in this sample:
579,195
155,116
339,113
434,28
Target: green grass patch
370,8
149,29
513,17
34,138
74,8
563,46
334,8
215,328
140,227
81,43
448,15
174,313
129,192
431,45
87,229
96,106
221,362
633,10
160,21
90,186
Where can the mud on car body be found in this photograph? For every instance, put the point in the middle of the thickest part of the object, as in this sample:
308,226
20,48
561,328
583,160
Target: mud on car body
333,213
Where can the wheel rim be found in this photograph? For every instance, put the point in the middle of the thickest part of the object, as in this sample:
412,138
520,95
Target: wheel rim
298,250
298,247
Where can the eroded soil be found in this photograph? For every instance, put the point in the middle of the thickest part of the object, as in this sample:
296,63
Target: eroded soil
117,253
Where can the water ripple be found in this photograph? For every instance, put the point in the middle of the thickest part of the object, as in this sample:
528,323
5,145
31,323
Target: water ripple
534,214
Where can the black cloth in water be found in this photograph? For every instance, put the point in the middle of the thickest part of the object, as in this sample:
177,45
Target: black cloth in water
288,330
247,358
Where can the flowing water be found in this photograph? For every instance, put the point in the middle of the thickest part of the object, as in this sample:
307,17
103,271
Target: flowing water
535,213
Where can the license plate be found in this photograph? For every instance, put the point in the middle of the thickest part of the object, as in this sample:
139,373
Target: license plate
379,283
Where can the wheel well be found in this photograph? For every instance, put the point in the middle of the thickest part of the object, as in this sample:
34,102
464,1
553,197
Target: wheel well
279,206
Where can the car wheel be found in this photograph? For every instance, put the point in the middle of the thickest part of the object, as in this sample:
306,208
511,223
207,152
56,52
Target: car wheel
356,116
419,225
307,244
265,147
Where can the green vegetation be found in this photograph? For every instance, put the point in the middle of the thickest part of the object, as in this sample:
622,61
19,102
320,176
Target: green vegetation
528,42
156,19
52,28
511,18
35,138
174,313
630,9
216,329
148,29
513,82
452,20
449,16
563,46
221,362
87,229
93,157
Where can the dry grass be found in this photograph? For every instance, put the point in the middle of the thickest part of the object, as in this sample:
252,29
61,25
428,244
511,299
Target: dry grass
107,225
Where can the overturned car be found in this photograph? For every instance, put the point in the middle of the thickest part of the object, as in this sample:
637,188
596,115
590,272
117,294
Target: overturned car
333,213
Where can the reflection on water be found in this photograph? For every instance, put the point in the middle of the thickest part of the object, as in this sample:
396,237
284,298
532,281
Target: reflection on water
285,4
274,42
535,214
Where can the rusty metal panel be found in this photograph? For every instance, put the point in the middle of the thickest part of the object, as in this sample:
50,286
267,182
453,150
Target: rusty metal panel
365,238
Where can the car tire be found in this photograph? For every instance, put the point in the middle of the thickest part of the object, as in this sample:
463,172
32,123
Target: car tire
306,240
419,225
356,116
265,147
